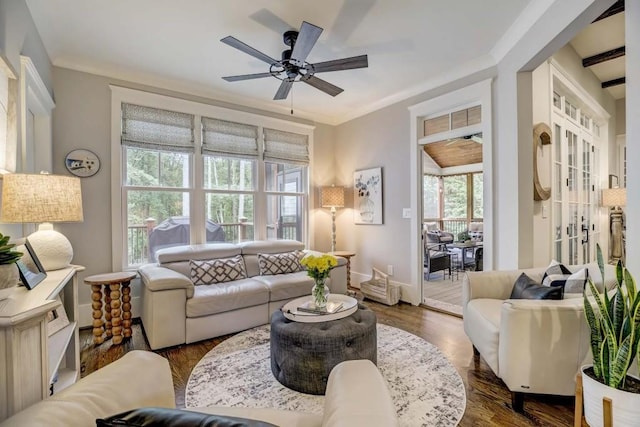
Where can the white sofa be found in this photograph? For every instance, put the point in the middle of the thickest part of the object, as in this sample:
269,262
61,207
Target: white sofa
534,346
174,311
357,396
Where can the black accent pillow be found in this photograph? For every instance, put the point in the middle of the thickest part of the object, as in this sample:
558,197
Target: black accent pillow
164,417
527,288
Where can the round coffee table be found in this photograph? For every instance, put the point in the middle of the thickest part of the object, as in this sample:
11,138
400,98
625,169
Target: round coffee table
303,354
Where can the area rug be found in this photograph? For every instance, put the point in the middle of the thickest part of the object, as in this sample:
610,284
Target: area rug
425,387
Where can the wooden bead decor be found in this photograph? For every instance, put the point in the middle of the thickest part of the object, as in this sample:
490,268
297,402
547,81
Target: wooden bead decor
117,306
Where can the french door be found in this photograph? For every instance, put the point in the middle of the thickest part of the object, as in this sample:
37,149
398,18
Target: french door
576,186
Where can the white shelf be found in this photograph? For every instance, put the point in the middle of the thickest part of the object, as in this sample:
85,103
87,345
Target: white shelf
58,344
32,358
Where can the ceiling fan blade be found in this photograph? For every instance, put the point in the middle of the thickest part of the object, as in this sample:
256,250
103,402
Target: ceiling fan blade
246,77
234,42
307,38
283,90
323,85
342,64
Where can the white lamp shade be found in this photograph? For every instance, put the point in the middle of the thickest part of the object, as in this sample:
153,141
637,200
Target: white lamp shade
43,199
613,197
332,197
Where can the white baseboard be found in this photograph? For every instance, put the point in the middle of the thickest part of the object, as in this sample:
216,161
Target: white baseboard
85,312
408,292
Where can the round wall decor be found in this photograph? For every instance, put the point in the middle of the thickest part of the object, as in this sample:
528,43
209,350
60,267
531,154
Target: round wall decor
82,163
541,137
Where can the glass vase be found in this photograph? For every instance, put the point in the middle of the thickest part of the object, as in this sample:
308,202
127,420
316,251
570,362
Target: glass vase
320,293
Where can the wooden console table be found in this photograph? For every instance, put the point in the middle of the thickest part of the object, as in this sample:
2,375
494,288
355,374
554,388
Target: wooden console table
37,364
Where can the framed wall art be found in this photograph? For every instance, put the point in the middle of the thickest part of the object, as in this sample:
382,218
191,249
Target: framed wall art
30,268
367,196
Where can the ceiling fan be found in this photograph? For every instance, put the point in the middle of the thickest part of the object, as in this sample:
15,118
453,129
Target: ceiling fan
293,66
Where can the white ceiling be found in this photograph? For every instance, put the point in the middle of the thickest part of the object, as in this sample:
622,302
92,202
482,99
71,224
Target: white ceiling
176,45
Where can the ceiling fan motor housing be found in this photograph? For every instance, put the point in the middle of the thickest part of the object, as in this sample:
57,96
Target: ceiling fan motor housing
290,37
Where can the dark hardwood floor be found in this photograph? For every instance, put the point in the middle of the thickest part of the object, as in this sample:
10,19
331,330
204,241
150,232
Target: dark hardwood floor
488,400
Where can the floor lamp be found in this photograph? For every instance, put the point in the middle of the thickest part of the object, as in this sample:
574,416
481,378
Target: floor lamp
332,197
43,199
615,198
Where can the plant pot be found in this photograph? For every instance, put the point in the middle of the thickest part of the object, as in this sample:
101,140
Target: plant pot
625,405
8,279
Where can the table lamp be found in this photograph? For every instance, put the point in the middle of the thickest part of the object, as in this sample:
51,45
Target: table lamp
332,197
615,198
43,199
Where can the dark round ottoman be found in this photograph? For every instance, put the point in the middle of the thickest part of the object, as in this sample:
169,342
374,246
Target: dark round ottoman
303,354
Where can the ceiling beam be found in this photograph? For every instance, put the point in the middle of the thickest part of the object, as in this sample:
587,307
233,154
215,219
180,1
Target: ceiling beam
614,82
616,8
604,56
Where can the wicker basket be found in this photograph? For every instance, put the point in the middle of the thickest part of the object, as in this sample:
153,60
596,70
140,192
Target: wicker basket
379,289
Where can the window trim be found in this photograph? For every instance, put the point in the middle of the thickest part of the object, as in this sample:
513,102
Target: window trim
121,95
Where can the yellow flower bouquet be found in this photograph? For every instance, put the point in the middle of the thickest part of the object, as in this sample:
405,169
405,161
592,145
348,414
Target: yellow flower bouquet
318,268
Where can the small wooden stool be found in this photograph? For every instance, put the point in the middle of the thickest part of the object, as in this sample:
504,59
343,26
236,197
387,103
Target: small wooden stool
117,305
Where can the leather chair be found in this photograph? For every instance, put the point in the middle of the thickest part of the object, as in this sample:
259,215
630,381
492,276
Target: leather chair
534,346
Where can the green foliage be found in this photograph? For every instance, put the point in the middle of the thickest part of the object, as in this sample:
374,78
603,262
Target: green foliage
7,253
614,324
463,236
455,196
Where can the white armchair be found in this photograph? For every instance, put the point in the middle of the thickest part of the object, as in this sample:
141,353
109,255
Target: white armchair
534,346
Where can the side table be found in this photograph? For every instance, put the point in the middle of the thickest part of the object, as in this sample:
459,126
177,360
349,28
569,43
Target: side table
117,305
347,255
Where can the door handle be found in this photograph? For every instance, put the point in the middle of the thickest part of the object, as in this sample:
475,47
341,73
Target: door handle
585,229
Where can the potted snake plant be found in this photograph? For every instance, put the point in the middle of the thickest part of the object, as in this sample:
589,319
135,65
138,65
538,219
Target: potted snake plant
8,269
614,321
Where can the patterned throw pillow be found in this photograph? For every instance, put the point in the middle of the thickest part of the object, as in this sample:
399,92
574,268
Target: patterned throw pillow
559,275
217,270
555,269
286,262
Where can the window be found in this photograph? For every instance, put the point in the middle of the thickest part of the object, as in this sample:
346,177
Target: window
158,150
455,196
431,196
478,212
191,177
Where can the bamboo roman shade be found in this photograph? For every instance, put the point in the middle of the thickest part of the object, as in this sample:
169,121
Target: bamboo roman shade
229,139
286,147
158,129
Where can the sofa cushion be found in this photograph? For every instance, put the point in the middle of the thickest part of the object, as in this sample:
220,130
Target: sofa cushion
175,417
227,296
250,251
527,288
286,262
287,286
217,270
